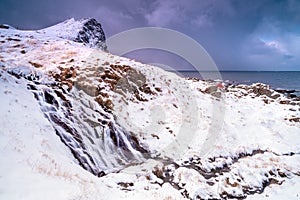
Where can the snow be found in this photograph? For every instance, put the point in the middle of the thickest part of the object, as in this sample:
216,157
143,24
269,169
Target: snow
36,165
31,155
288,190
199,145
67,29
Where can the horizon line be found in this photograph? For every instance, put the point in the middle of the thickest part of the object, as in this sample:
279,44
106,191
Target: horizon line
180,70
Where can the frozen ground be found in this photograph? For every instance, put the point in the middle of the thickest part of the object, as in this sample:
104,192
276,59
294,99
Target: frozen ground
78,123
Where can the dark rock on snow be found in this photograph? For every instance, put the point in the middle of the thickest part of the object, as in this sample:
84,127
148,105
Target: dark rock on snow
92,34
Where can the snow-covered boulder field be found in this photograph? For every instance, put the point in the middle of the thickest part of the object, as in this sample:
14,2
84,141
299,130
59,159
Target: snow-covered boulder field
77,122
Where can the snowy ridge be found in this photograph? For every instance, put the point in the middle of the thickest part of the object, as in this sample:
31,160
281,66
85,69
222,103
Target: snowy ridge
86,31
79,123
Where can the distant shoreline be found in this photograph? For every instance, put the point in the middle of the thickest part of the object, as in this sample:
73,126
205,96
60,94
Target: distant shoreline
278,80
226,71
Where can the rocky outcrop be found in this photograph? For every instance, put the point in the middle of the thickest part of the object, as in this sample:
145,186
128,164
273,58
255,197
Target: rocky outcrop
5,26
257,89
92,34
264,92
288,93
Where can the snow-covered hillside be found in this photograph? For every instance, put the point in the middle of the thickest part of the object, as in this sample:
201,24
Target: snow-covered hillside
80,123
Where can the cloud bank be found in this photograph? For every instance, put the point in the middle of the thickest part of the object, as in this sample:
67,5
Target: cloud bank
239,35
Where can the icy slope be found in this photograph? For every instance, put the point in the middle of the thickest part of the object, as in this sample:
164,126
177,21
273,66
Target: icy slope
79,123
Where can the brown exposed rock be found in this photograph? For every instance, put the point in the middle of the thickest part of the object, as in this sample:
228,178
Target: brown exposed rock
234,184
13,39
104,94
284,102
275,96
285,91
261,90
211,89
125,184
158,172
146,89
266,101
155,136
294,119
158,89
214,91
37,65
104,103
65,76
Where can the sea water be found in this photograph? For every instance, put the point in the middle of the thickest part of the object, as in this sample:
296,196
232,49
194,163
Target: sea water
288,80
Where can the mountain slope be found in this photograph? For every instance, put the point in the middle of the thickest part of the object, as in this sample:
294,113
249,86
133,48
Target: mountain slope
91,125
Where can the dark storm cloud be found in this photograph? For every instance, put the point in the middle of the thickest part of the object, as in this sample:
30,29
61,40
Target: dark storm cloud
239,35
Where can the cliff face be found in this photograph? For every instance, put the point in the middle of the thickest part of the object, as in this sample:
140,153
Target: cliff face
92,34
90,125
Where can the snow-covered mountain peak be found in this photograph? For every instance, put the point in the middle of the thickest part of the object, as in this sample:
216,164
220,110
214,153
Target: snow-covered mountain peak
87,31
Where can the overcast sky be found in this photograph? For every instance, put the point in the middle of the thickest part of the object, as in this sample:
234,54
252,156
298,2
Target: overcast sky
238,34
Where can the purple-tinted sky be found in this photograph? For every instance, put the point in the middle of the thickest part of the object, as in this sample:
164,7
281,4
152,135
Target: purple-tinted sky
239,35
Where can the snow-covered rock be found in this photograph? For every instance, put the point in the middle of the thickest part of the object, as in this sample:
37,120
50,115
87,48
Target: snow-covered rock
86,31
6,26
